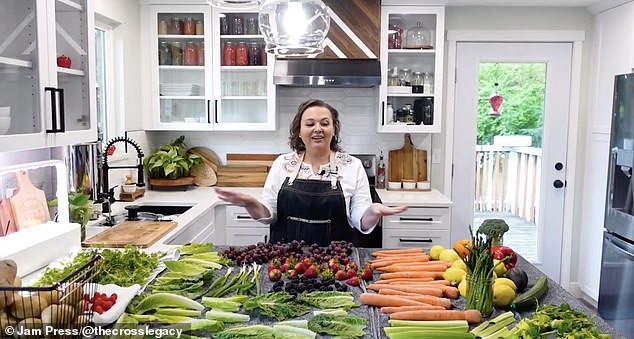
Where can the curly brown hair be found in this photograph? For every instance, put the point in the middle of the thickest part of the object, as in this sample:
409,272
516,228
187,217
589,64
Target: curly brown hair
295,142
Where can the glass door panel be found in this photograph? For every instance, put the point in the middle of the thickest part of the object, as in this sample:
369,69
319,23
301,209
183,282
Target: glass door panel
20,111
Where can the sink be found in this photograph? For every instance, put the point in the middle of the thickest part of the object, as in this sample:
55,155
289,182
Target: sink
148,212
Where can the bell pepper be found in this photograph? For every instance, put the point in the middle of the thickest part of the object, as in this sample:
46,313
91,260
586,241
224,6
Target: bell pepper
502,252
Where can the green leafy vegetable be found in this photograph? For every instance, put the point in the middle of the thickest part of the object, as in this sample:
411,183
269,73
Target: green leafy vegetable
185,268
227,317
246,332
162,300
287,331
178,312
562,320
279,305
195,248
230,304
349,326
329,299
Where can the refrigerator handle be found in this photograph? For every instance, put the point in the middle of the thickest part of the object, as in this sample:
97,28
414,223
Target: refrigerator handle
623,251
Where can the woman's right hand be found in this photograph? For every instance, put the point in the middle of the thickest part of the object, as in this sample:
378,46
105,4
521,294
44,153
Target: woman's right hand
236,198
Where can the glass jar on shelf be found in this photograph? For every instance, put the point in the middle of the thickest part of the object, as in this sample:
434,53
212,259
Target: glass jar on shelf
177,53
428,83
224,25
242,54
395,37
263,56
228,54
418,37
165,54
189,27
404,77
190,55
417,82
255,54
176,26
237,25
162,27
252,26
200,59
199,28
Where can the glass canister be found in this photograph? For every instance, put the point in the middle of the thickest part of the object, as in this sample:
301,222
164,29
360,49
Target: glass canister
224,25
177,53
255,54
176,26
418,37
395,37
162,27
229,54
409,118
200,59
417,82
189,27
190,55
428,83
252,26
199,28
404,77
263,56
237,25
242,54
165,54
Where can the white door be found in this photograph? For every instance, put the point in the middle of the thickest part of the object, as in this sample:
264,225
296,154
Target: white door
550,186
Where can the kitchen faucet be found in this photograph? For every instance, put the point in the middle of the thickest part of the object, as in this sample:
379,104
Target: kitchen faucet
107,192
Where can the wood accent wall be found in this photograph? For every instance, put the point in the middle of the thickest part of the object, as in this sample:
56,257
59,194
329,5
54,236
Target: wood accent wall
363,17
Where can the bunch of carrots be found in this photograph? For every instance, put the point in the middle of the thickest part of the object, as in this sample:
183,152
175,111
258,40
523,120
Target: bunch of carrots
412,288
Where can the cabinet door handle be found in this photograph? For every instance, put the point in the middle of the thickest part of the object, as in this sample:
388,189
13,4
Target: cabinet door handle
382,113
208,112
243,217
414,240
425,220
53,109
216,111
266,238
62,118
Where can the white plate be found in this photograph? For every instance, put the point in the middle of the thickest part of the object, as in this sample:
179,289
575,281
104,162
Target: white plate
124,296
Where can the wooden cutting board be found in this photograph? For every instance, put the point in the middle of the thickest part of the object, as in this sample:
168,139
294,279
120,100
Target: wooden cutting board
7,221
28,203
137,233
242,176
407,163
251,159
208,154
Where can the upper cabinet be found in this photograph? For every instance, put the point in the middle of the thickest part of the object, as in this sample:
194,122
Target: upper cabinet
354,30
208,71
43,104
412,46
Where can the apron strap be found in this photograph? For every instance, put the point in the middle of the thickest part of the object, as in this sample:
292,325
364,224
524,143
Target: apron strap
334,170
296,169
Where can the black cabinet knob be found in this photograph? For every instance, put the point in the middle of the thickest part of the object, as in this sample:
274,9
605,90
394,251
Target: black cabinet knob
558,183
559,166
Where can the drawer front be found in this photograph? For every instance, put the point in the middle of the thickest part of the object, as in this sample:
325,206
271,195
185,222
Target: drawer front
238,216
393,238
420,218
243,236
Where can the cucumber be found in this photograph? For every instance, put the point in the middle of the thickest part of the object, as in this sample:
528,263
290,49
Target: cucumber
528,300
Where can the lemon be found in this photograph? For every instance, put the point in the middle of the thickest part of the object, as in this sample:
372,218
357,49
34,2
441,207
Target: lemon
462,288
459,264
506,281
448,255
434,252
454,275
503,295
499,269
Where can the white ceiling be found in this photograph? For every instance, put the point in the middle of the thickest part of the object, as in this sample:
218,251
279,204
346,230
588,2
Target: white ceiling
593,6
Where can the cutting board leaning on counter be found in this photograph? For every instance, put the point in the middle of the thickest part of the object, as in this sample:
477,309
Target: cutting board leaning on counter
315,193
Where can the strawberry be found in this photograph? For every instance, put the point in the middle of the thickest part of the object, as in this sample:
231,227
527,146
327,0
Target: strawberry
354,281
351,273
341,275
300,267
284,268
352,266
275,274
307,262
335,267
276,262
332,261
310,273
292,273
367,274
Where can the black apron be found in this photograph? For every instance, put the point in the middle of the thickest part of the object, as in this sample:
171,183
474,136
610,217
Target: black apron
311,210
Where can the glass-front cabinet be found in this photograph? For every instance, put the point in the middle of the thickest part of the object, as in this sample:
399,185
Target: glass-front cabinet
47,84
412,54
209,70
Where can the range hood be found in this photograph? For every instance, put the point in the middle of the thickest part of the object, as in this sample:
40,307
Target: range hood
327,72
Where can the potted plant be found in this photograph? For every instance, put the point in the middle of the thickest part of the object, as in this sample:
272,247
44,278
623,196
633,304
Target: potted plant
79,209
171,161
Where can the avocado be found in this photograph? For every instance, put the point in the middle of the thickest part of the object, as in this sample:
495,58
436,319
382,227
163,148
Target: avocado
519,277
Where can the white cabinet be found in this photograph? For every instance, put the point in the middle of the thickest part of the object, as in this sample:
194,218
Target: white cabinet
239,228
43,104
200,93
401,57
421,227
202,229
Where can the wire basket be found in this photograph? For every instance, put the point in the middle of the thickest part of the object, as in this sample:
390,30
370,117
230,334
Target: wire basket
60,310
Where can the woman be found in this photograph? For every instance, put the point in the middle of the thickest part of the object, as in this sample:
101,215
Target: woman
315,192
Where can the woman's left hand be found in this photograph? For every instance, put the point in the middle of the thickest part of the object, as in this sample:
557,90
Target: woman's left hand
376,211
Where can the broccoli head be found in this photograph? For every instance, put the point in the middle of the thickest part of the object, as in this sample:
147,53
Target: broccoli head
494,229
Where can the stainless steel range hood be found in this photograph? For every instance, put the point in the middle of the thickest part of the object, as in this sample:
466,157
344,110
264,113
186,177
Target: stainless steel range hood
327,72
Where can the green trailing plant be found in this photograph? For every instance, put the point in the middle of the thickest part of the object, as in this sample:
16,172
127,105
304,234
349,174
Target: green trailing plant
79,209
171,160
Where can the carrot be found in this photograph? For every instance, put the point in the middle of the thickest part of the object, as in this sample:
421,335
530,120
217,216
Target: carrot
380,300
404,280
398,251
387,262
447,291
413,267
471,316
430,299
407,275
436,292
394,309
395,257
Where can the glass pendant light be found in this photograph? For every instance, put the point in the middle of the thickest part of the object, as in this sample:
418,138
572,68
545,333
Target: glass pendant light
235,4
294,27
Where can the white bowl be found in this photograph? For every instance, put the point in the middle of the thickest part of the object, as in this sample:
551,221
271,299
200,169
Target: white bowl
129,188
5,111
394,185
423,185
5,123
409,185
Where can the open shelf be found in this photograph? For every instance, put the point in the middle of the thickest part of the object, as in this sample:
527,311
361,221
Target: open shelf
181,97
182,68
70,71
70,5
243,68
15,62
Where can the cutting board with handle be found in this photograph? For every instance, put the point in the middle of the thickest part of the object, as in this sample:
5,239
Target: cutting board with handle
137,233
407,163
28,203
251,159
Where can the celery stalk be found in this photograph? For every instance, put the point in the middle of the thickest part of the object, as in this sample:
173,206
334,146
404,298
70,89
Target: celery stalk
431,334
494,325
429,323
502,333
408,329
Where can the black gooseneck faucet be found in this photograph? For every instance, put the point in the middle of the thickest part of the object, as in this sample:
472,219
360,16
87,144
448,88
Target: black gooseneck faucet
107,192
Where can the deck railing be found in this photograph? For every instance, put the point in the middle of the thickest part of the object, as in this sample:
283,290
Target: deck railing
507,180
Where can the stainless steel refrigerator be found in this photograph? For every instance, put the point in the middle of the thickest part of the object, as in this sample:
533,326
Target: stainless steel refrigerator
616,291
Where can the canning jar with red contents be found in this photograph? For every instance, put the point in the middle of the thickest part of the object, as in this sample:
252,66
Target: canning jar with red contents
190,56
189,26
228,54
242,54
201,54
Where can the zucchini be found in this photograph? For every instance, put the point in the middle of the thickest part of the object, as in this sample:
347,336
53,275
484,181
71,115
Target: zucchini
528,300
